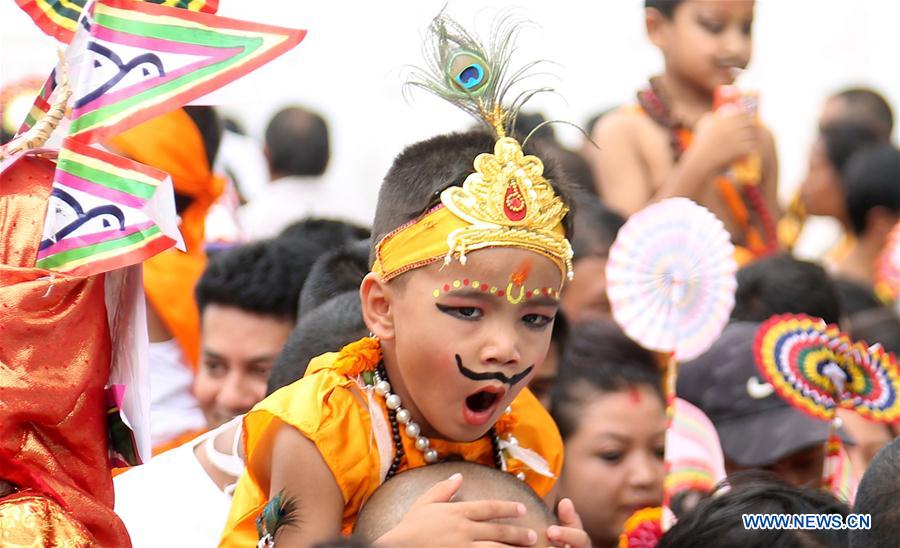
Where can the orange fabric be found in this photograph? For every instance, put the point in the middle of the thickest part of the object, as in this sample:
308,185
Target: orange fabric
173,143
329,409
54,364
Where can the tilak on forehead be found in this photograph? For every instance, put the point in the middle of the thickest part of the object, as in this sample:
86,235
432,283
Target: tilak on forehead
506,201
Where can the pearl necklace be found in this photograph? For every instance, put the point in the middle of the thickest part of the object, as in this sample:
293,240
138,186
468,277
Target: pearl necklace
398,415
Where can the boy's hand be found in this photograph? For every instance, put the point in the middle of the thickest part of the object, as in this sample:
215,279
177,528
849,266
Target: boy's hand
569,532
725,136
435,521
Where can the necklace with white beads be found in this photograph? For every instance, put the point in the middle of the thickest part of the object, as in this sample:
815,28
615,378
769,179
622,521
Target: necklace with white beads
398,415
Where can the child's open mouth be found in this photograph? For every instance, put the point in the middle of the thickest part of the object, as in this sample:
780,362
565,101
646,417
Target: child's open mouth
479,407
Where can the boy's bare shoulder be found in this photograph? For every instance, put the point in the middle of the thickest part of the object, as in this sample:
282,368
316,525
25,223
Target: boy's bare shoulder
630,123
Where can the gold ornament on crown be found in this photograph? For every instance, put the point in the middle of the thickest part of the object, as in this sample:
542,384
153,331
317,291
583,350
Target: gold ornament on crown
508,202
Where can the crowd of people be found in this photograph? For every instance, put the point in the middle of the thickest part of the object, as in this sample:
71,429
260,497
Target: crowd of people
319,380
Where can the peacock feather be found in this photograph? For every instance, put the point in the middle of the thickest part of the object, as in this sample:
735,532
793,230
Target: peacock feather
278,512
473,76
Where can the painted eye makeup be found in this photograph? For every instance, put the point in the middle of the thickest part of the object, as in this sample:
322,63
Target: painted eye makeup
469,313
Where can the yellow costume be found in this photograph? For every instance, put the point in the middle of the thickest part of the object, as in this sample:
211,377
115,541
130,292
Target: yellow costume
341,405
333,410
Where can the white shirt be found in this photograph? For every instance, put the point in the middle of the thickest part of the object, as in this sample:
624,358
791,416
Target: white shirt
291,199
172,501
173,407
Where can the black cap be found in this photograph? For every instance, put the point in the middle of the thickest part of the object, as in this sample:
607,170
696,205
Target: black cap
755,425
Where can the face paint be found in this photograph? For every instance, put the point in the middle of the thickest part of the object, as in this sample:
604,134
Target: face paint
517,281
494,290
488,376
634,395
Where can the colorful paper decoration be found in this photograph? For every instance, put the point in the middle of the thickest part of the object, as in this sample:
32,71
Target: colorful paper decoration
817,369
142,60
59,18
671,278
105,212
694,458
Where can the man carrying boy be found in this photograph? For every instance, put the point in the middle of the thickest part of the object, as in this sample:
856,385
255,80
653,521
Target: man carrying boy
674,144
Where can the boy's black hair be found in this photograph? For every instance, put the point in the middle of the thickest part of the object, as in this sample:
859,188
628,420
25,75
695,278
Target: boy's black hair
843,138
870,107
263,277
877,496
871,179
526,122
335,272
423,170
598,357
782,284
716,521
855,297
297,141
328,234
666,8
596,227
327,328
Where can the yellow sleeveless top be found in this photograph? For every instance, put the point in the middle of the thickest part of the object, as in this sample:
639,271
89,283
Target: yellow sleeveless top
345,423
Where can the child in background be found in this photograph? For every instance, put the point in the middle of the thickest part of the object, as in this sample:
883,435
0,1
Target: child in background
460,301
872,200
717,521
675,144
608,404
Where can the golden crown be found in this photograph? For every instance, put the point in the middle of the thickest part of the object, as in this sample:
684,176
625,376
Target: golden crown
508,202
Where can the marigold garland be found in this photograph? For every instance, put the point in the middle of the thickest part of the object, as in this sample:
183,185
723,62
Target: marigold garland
358,357
642,529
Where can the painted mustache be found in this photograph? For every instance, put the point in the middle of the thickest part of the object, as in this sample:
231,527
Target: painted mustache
489,376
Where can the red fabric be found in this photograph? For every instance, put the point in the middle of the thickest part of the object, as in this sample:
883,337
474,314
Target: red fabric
54,364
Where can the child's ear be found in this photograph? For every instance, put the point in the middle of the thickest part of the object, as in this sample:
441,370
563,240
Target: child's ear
376,306
657,27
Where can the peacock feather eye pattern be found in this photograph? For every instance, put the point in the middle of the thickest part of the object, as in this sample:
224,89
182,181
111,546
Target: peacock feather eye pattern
469,72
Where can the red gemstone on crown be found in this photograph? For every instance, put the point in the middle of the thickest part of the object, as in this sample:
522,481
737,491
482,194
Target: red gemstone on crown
514,203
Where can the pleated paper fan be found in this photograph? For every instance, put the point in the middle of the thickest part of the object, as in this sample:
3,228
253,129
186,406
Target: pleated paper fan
817,369
671,278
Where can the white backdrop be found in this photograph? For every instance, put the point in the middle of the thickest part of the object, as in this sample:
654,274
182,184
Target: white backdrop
350,67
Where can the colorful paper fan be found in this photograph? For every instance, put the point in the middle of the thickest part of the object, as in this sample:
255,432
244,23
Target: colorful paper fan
815,367
670,277
694,458
887,268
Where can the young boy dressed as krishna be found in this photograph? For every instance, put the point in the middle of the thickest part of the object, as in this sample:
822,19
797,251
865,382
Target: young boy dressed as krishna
466,273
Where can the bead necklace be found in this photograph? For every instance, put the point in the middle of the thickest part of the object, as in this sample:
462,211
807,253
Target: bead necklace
398,415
